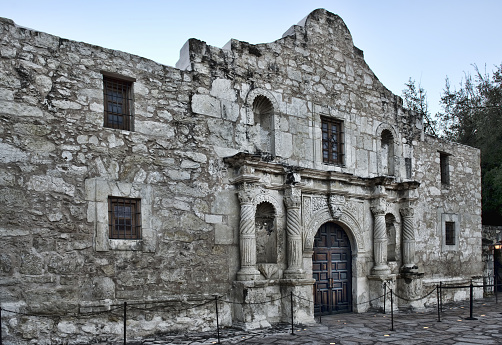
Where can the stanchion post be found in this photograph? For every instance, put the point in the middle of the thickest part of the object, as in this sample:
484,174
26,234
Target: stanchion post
439,310
125,322
471,287
495,285
441,296
292,316
1,342
384,294
217,320
391,310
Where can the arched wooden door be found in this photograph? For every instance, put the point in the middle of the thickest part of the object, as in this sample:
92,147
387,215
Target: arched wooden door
332,270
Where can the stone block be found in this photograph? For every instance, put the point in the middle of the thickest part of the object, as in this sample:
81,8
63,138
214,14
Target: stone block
206,105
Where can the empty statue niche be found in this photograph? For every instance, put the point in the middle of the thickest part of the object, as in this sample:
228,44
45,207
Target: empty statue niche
263,111
390,224
266,233
387,153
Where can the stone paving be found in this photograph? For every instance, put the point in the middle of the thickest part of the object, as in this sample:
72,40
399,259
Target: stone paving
410,328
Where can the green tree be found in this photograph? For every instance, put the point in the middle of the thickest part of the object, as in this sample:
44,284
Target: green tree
415,98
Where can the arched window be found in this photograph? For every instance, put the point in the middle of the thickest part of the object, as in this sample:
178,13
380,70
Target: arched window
390,224
263,111
266,233
387,153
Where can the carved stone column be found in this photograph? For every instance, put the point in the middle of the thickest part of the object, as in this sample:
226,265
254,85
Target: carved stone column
292,199
247,234
408,239
379,241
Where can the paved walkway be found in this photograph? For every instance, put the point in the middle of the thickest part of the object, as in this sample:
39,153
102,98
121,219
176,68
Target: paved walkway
410,328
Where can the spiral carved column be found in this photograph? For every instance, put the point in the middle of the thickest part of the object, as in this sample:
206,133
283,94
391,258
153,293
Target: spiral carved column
247,234
292,199
408,239
379,242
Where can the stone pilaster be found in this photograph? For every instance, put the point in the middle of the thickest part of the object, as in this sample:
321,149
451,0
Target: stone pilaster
380,240
408,240
247,234
292,199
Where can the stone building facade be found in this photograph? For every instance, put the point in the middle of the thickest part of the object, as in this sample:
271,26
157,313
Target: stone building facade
250,172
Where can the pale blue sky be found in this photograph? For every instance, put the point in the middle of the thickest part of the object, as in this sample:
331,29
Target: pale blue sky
426,40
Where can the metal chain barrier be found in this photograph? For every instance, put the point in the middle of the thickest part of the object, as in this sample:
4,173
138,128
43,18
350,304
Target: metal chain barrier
204,301
415,299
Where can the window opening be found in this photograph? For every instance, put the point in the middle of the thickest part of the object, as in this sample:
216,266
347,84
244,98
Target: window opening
387,154
118,103
332,141
124,217
450,233
263,111
444,159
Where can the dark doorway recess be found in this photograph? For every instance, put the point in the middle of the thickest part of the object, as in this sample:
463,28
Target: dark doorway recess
332,270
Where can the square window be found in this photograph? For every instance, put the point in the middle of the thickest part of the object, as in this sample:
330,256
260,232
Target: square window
449,233
118,103
124,218
332,141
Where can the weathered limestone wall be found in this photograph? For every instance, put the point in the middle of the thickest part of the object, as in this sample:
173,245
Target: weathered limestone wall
202,157
58,163
314,71
460,201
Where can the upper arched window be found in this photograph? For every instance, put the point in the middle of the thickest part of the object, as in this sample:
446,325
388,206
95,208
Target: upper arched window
263,112
387,152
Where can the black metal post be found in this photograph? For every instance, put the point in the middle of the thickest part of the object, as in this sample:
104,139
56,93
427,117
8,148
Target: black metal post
217,320
292,316
441,295
391,310
125,321
437,295
495,281
1,342
471,287
384,294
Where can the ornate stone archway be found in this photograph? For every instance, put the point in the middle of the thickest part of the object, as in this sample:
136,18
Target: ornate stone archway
317,211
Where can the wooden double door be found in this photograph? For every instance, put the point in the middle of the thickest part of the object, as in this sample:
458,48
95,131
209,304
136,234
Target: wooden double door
332,271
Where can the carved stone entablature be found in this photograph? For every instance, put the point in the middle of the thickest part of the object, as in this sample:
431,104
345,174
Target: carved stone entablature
407,211
246,175
379,206
316,211
292,197
246,193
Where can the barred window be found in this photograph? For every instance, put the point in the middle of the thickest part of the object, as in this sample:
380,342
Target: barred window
332,141
445,168
124,217
118,103
450,233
